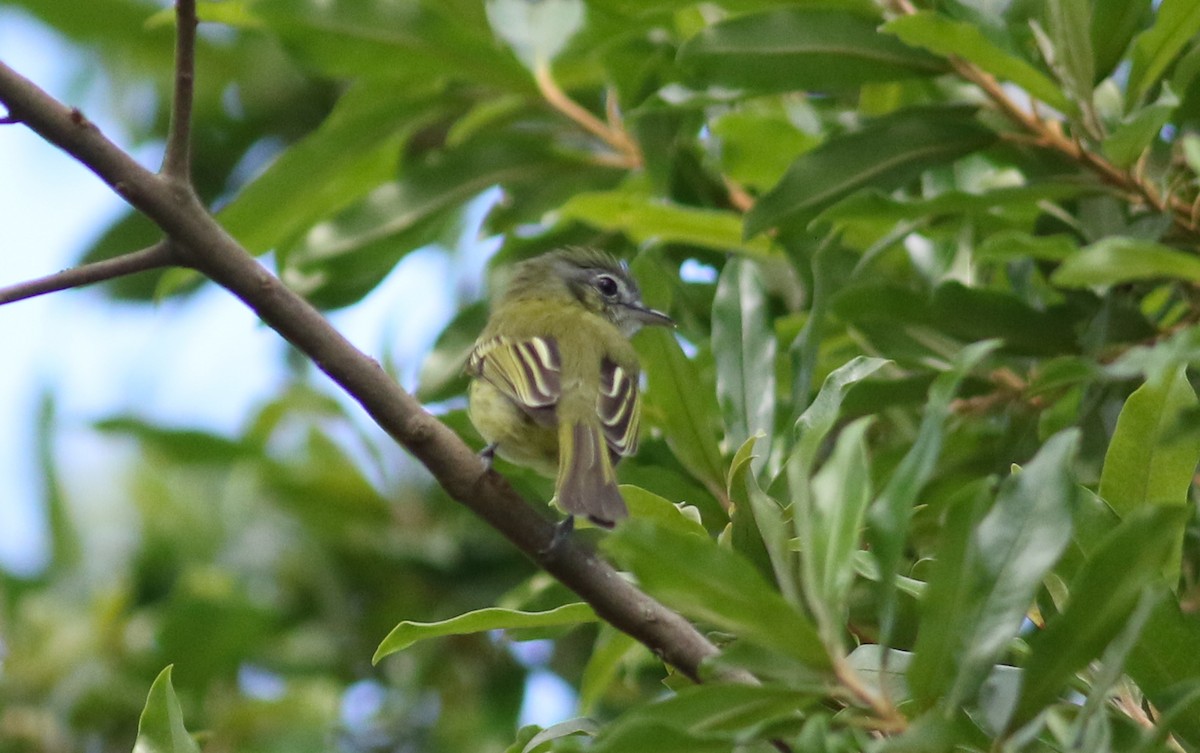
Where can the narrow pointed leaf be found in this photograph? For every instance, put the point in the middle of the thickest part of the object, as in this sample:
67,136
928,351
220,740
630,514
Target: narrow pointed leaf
355,150
686,409
407,633
160,728
644,219
800,48
829,527
701,580
885,154
946,36
950,600
1102,597
890,513
1116,260
1176,24
1149,459
1014,547
743,344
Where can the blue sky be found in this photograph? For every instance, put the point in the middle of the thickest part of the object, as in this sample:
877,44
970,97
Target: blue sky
168,362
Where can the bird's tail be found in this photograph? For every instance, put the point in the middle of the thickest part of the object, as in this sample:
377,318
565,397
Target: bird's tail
587,481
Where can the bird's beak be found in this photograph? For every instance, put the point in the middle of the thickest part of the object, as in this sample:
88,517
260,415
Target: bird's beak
649,317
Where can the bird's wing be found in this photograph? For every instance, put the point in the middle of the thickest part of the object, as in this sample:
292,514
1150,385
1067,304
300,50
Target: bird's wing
618,407
528,371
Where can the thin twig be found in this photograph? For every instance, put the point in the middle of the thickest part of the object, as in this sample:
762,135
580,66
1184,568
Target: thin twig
177,161
615,137
153,257
1048,134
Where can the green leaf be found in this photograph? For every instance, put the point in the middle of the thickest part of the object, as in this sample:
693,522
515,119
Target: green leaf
1114,22
889,514
1070,24
610,650
1176,23
651,220
407,633
1102,598
696,577
828,522
160,727
816,422
1149,460
945,36
769,526
685,409
410,42
743,345
1014,547
950,598
343,259
355,150
646,505
1165,664
1014,244
716,708
800,48
1139,130
886,153
1117,260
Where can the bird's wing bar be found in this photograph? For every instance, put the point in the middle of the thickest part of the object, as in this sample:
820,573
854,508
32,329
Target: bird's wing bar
618,407
528,372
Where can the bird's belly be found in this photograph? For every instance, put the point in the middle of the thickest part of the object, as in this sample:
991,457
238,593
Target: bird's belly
517,437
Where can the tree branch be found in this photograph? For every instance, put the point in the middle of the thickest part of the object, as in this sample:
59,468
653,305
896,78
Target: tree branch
1048,134
153,257
177,161
612,133
204,244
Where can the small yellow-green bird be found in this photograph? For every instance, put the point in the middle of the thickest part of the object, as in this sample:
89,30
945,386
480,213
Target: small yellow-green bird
555,379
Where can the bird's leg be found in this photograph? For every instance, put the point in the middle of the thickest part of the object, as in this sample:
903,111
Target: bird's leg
562,531
488,454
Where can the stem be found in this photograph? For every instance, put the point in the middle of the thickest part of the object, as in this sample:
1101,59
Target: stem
177,161
153,257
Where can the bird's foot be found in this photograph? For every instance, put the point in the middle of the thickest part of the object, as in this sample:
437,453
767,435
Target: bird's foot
562,531
487,455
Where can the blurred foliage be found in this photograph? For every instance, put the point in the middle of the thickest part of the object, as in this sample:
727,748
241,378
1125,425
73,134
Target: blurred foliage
921,456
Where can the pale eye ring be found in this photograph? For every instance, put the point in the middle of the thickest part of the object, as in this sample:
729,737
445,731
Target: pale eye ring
607,286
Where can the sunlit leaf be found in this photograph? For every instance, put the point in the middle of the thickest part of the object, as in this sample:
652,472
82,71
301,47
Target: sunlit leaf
160,728
646,219
1176,23
1149,461
407,633
355,150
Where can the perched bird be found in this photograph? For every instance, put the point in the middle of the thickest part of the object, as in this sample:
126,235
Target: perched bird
555,379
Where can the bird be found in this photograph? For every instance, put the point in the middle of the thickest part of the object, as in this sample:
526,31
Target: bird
554,377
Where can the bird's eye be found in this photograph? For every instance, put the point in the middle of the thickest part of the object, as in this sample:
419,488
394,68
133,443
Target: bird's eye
607,286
